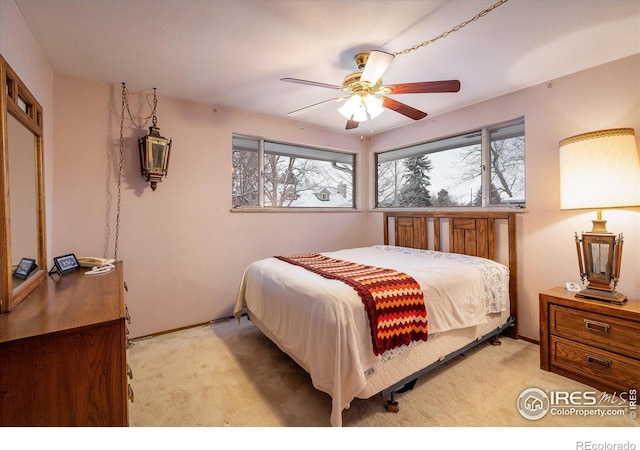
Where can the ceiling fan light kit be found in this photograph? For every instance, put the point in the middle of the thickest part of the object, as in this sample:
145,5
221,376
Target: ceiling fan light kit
366,94
360,108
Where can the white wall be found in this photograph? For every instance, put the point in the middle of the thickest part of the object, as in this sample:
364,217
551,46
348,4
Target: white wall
603,97
183,248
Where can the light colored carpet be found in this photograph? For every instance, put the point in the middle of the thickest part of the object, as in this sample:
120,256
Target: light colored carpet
229,375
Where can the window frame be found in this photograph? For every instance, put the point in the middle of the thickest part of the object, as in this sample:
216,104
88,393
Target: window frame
484,135
301,150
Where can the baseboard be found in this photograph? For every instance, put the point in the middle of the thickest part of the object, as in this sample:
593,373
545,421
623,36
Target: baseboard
533,341
187,327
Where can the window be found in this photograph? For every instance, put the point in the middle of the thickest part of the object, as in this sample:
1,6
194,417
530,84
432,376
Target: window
278,175
483,168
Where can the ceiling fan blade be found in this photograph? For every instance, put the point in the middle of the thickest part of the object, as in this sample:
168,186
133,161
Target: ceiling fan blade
306,108
403,109
310,83
351,124
377,64
425,87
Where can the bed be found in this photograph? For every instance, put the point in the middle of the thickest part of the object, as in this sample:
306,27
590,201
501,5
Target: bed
464,264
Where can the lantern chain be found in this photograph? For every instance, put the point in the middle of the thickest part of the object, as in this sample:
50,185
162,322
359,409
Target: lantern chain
154,121
452,30
125,95
120,164
125,107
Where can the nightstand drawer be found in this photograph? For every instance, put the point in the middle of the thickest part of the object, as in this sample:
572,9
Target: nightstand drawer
599,365
609,333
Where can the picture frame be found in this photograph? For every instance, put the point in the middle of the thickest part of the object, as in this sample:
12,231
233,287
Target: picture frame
25,268
65,264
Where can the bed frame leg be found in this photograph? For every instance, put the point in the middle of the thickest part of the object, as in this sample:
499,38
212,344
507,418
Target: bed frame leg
392,405
495,341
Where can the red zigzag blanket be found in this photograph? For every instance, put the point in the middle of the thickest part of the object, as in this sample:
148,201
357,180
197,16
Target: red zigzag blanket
393,300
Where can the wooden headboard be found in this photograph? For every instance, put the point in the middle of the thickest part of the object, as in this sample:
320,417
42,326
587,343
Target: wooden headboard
470,233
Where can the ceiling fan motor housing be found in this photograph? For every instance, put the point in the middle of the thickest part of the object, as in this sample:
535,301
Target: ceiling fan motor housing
361,60
352,85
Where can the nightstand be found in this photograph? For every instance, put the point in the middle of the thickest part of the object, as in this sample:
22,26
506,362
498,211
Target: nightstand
590,341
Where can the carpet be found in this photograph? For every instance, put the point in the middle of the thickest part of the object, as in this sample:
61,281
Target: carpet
227,374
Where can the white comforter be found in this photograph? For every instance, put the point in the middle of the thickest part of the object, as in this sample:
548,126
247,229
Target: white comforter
322,323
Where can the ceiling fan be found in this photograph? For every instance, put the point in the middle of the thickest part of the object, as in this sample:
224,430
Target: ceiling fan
366,96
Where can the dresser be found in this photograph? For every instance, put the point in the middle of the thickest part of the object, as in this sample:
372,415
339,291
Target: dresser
63,354
594,342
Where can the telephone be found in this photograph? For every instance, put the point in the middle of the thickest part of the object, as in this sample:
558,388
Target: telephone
98,265
573,287
91,261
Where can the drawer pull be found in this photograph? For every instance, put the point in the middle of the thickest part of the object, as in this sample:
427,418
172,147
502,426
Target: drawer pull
130,392
596,326
593,359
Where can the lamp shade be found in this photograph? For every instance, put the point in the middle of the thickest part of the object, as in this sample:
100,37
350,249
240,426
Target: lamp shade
353,109
361,108
373,105
599,170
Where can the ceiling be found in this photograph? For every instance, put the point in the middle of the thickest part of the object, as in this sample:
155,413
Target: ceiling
233,53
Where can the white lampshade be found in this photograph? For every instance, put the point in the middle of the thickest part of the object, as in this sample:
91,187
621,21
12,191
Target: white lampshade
360,108
373,105
599,170
352,109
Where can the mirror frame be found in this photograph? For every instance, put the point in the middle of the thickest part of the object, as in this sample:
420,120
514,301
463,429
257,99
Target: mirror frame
14,93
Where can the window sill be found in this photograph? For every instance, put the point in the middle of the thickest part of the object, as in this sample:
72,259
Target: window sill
452,210
295,210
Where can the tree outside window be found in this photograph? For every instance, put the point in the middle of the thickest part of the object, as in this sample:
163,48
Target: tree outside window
455,172
279,175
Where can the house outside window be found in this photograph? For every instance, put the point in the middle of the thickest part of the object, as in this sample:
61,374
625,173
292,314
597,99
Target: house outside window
482,168
268,174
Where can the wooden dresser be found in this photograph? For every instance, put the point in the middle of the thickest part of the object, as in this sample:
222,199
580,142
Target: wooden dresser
63,354
594,342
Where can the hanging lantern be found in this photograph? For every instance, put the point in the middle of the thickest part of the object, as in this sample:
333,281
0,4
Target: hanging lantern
154,152
154,156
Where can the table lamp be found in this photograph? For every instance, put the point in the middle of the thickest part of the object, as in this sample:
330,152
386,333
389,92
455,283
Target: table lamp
598,170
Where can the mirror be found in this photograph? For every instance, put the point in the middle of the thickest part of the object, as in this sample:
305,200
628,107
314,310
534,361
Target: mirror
599,256
599,259
22,193
22,225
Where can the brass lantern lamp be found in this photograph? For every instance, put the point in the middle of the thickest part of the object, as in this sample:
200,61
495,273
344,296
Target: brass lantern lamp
155,151
599,261
600,170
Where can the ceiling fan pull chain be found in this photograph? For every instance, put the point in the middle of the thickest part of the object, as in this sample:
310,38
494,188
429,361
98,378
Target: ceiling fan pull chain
454,29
